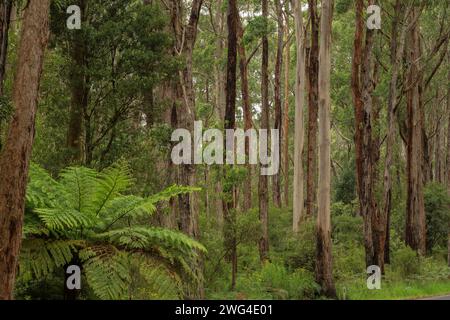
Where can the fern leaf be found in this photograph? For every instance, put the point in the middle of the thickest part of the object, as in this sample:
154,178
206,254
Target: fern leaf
58,219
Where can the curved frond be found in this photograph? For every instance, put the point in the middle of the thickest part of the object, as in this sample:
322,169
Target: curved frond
59,219
171,192
42,189
107,271
111,183
127,207
148,237
41,257
160,283
79,184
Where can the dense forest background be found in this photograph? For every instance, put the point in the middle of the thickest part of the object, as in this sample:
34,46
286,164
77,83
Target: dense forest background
361,101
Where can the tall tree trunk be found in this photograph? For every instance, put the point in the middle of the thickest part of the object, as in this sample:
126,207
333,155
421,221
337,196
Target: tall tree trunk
397,51
448,145
219,74
313,106
374,249
79,93
186,35
263,180
298,195
248,123
5,19
356,90
365,146
276,179
15,157
324,274
230,123
220,82
185,41
415,231
285,131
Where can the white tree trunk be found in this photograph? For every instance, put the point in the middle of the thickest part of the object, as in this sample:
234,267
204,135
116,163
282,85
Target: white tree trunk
298,195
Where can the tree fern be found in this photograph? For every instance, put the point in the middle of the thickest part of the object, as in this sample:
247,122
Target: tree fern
78,185
41,257
107,271
111,183
87,215
61,219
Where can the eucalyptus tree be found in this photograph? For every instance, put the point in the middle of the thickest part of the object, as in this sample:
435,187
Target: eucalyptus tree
15,157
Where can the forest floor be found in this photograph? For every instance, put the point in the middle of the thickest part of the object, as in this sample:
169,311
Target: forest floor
403,290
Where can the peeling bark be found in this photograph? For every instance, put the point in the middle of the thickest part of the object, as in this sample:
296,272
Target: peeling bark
323,251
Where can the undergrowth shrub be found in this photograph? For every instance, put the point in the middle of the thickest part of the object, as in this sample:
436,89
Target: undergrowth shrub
278,283
406,262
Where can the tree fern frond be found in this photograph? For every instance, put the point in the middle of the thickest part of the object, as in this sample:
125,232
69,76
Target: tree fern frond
127,207
107,271
33,226
148,237
160,282
41,257
111,183
79,184
59,219
42,189
171,192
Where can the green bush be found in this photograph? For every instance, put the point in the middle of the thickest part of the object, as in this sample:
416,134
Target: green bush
301,248
347,229
437,208
406,262
284,285
348,261
345,185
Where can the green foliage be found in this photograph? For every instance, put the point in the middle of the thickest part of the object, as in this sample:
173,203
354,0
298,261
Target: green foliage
274,281
343,6
437,208
345,186
84,214
348,262
347,228
301,251
406,262
257,28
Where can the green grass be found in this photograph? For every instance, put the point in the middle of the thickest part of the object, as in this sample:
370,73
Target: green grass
396,290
